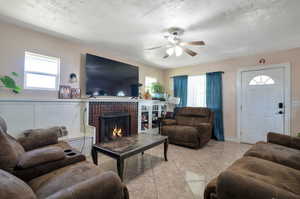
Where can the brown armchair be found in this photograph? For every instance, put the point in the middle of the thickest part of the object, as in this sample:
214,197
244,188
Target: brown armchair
267,170
37,165
79,181
190,127
37,152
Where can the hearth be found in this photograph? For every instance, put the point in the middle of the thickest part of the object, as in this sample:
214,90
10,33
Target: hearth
114,125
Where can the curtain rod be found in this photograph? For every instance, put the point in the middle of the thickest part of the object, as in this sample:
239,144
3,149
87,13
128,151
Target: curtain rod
200,74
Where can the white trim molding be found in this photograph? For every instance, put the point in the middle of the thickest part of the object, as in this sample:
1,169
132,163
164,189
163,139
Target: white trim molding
287,91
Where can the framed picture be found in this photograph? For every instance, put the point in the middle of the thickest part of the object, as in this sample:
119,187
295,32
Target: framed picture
75,93
64,92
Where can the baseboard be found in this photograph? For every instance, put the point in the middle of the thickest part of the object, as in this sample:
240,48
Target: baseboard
232,139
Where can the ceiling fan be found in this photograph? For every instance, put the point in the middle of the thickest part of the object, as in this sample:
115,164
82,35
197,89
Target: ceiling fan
176,45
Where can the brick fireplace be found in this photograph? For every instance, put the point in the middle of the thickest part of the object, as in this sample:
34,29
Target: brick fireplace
107,116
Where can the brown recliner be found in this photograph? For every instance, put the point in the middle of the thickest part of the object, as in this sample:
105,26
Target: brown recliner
267,170
190,127
36,152
78,181
37,165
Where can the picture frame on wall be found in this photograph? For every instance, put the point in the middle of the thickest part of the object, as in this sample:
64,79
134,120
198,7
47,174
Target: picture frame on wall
75,93
64,92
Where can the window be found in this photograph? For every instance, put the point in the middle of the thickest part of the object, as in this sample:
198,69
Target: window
261,80
148,83
41,72
196,96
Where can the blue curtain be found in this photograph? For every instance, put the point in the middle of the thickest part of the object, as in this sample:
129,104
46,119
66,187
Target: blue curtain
214,101
180,89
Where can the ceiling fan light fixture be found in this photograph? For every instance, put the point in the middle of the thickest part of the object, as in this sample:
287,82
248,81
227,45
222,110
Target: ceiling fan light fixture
178,51
176,45
170,51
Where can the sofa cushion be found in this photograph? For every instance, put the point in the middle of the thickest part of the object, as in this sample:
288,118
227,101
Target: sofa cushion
284,140
59,130
36,138
10,151
193,112
251,177
40,156
17,146
14,188
211,189
3,125
169,122
276,153
191,116
72,156
190,121
63,178
183,133
62,144
107,186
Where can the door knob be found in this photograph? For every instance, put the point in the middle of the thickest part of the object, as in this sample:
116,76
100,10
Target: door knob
280,112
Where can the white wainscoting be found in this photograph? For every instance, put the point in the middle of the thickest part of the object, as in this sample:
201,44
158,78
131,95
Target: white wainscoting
83,144
22,115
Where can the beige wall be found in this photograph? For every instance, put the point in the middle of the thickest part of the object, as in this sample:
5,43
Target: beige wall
231,67
15,40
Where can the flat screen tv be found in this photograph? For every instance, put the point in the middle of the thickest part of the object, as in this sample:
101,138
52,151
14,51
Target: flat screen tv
105,77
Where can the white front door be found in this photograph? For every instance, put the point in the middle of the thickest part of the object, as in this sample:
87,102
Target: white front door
263,103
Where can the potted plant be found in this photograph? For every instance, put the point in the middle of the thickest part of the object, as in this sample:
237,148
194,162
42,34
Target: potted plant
157,91
9,82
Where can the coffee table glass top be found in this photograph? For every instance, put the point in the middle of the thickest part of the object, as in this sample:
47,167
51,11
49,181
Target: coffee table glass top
131,143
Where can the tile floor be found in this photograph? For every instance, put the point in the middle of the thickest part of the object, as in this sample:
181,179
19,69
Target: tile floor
184,176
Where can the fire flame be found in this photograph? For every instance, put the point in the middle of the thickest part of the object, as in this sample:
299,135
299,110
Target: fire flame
117,132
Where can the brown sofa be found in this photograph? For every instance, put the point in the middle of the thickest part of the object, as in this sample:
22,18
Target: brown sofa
37,165
267,170
190,127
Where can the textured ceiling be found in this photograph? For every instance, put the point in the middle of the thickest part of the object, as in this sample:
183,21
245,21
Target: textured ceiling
124,28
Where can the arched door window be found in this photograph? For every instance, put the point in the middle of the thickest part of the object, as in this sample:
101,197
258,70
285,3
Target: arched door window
261,80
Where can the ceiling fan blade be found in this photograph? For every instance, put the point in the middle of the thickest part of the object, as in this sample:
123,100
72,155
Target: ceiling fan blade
192,43
153,48
166,56
190,52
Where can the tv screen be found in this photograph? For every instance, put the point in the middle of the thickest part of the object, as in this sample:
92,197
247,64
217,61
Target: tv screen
105,77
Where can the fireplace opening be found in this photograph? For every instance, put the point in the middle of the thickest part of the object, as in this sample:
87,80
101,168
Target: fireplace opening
114,125
117,132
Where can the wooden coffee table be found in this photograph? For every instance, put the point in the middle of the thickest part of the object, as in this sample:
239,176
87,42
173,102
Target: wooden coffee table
128,146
